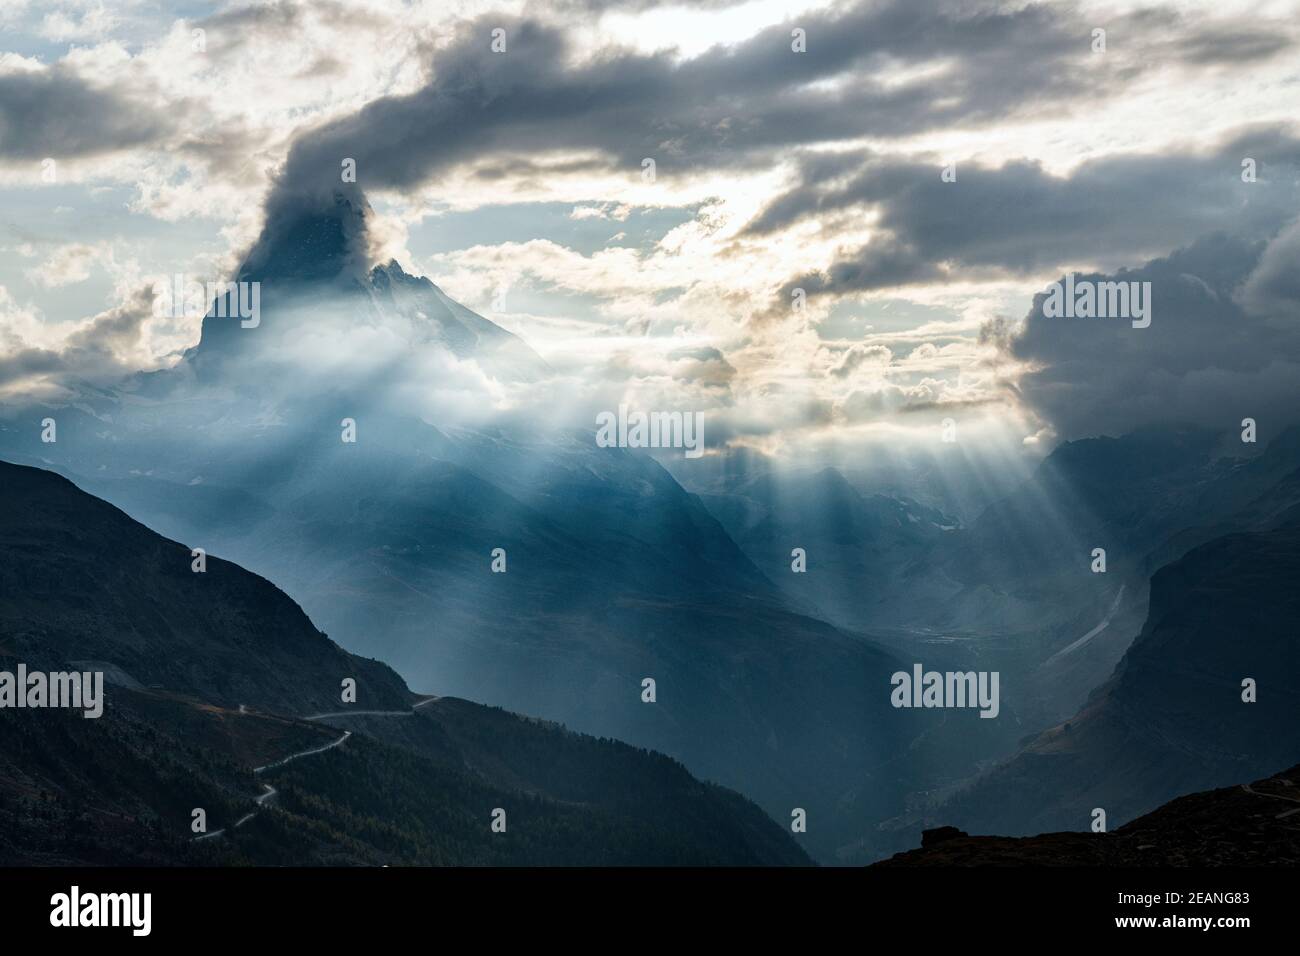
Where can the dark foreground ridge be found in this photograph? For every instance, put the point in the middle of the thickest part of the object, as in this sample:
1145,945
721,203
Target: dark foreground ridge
1254,824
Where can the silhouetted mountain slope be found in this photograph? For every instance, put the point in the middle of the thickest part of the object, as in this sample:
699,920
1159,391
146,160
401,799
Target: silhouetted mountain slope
1247,825
1171,720
82,582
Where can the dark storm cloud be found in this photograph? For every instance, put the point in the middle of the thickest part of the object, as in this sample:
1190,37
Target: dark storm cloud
1223,345
730,106
1018,218
57,114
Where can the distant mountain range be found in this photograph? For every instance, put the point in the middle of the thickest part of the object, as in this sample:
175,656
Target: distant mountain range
215,674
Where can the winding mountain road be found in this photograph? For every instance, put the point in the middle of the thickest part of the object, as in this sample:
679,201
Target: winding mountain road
1275,796
305,753
270,791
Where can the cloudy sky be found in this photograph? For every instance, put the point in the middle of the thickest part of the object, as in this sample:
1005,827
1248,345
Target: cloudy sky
141,139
